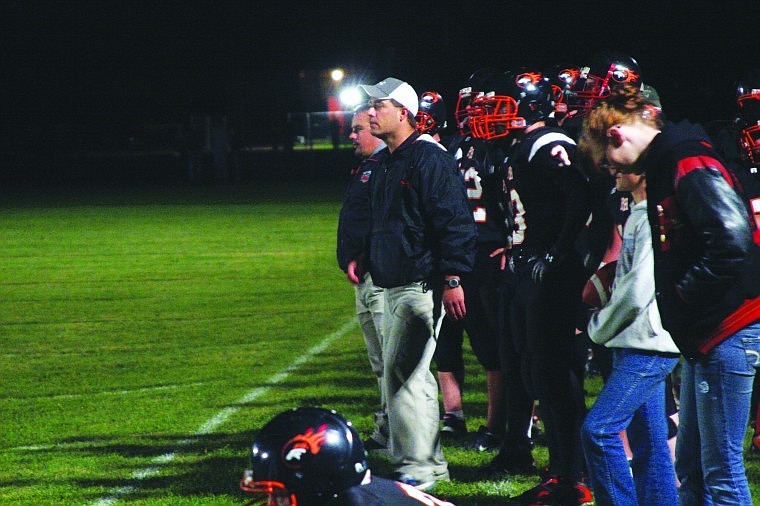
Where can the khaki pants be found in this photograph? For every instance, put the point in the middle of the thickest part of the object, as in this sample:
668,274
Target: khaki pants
412,319
370,306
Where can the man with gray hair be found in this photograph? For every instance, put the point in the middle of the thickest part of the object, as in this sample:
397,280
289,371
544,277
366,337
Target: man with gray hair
422,239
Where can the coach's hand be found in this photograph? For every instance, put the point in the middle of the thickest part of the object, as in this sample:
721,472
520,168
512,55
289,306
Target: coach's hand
354,272
453,301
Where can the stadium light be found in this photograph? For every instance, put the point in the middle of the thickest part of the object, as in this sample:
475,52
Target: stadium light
337,75
350,97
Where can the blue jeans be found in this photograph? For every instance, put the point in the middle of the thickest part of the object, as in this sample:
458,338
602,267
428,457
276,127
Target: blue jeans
716,393
633,398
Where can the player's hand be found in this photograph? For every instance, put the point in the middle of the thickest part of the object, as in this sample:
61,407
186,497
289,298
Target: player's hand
503,260
541,267
453,303
354,272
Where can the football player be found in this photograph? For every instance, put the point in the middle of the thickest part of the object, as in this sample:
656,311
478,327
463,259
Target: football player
484,289
550,201
314,457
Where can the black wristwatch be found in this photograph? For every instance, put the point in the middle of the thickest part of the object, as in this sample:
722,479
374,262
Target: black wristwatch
453,282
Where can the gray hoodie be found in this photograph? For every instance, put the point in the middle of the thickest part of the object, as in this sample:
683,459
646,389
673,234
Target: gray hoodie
631,319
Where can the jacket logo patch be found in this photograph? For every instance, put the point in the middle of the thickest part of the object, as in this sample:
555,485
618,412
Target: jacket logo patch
309,442
668,222
365,176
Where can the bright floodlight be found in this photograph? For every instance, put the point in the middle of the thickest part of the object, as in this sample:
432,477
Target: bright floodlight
350,97
337,75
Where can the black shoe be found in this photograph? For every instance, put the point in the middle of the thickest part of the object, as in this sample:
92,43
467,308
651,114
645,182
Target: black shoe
453,427
484,440
556,492
506,462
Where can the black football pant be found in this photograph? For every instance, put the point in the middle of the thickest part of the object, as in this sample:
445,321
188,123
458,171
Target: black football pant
543,323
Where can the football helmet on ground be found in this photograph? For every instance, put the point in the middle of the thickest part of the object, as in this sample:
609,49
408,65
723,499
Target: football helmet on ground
304,456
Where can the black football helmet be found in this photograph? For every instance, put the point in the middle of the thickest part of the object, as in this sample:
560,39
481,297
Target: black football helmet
607,70
748,101
511,101
305,456
431,116
562,78
472,89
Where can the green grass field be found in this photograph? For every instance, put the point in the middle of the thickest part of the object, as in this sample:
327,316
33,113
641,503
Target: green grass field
147,334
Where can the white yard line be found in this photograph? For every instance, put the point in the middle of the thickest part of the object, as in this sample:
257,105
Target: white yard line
208,427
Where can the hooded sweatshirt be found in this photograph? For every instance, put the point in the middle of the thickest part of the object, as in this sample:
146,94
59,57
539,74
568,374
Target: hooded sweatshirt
631,319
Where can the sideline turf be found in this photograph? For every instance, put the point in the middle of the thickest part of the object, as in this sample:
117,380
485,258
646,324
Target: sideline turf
130,319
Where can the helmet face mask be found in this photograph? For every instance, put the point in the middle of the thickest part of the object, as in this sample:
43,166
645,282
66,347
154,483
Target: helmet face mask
303,456
562,79
495,116
431,116
595,81
748,101
514,101
466,105
273,492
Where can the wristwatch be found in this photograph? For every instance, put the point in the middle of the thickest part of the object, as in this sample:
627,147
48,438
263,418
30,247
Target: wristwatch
453,282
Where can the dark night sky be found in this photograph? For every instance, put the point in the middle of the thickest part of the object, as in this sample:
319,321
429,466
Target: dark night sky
108,61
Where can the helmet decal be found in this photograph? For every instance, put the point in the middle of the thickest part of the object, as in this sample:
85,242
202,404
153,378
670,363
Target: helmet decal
527,78
568,75
310,441
622,74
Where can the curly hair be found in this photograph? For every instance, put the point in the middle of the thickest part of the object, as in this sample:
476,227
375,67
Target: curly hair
624,105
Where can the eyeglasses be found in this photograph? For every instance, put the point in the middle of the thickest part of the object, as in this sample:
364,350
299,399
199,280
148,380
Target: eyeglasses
379,103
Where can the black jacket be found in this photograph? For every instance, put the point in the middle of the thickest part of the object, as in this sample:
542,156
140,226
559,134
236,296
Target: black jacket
354,219
706,263
421,224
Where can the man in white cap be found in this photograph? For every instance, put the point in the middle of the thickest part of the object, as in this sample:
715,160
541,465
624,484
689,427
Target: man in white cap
422,239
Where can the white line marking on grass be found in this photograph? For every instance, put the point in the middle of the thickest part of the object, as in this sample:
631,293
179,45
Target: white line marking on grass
208,427
117,392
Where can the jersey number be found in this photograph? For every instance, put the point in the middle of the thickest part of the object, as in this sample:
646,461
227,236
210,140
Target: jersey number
518,233
475,192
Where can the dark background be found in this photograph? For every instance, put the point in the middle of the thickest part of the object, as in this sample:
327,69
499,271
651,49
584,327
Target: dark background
103,65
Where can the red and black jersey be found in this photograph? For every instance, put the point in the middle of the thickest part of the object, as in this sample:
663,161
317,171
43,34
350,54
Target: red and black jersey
481,173
550,196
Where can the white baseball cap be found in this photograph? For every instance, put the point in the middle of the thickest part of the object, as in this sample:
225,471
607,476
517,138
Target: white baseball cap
392,88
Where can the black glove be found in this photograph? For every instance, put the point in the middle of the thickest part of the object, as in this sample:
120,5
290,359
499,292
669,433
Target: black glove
540,267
